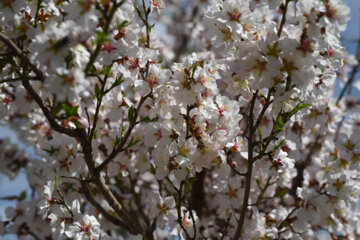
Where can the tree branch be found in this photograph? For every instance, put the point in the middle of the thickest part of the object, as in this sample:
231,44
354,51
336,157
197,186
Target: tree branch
283,19
98,206
19,53
249,170
17,79
121,145
106,30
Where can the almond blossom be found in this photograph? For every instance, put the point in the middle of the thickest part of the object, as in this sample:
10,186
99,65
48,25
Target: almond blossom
179,119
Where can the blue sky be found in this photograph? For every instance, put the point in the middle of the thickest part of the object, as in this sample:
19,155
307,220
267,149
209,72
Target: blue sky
352,31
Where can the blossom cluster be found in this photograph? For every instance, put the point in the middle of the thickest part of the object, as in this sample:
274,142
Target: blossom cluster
198,119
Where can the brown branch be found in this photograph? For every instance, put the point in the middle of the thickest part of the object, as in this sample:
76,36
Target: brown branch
198,194
105,189
25,82
287,218
261,195
76,133
106,31
98,206
19,53
97,110
179,210
300,168
137,201
17,79
185,37
79,133
249,170
121,145
226,227
283,19
265,107
231,165
146,22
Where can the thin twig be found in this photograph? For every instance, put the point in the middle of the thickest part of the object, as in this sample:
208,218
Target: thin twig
249,170
179,210
97,110
17,79
283,19
352,74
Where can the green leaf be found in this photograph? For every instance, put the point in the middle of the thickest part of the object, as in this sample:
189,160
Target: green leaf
258,182
280,192
56,181
100,37
70,110
133,142
22,196
153,168
138,11
50,151
118,81
148,119
298,108
97,92
123,128
69,60
123,24
277,146
95,134
279,124
260,135
192,179
93,70
131,114
194,69
187,187
260,139
106,70
117,140
151,27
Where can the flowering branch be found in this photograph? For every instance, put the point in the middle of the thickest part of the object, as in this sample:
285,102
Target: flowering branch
8,80
120,147
108,19
98,206
250,168
24,59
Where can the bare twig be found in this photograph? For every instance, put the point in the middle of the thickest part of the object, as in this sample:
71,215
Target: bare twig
178,207
249,170
17,79
352,74
283,19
